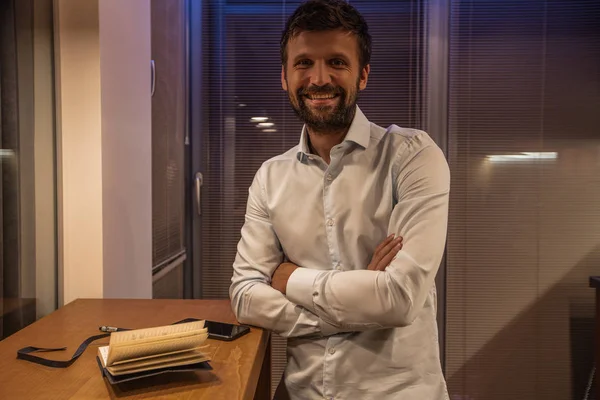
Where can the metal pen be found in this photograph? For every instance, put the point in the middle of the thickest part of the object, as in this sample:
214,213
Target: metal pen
105,328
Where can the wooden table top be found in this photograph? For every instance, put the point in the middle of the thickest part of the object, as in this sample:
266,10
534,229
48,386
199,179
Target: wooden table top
236,364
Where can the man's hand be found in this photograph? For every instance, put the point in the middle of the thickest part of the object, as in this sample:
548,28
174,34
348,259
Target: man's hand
281,276
385,253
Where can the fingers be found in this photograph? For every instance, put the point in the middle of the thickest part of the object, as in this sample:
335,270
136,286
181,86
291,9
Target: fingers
377,254
387,259
384,243
383,250
387,249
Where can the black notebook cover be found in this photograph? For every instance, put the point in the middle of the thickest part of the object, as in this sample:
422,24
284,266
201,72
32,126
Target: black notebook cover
139,375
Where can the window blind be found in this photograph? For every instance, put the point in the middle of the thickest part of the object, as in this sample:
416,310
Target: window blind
524,232
9,139
242,80
168,131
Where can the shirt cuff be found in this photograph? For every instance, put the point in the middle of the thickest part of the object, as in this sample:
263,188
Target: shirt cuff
299,289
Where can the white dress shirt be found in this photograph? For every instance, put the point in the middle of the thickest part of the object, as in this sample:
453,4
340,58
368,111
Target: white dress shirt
352,333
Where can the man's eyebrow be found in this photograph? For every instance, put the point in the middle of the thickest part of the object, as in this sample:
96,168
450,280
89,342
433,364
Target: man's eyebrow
301,56
341,55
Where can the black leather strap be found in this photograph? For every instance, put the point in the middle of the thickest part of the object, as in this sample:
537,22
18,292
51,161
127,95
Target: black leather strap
25,352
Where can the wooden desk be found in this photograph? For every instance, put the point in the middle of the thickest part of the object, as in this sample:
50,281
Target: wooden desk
595,283
241,368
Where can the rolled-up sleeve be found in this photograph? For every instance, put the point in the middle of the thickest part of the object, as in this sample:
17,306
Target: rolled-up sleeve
362,299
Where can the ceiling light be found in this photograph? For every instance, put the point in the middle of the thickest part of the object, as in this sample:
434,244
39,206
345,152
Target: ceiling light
5,153
265,124
259,119
526,156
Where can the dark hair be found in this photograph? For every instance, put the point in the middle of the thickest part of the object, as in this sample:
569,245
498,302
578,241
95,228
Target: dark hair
324,15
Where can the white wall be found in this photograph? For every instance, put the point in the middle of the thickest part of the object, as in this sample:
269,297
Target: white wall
103,140
79,144
126,147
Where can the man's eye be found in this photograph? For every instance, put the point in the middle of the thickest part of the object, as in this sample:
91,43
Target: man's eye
338,63
303,63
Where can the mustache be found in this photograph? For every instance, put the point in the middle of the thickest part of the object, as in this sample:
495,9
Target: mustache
325,89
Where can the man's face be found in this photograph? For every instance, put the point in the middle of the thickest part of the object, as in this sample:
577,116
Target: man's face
322,77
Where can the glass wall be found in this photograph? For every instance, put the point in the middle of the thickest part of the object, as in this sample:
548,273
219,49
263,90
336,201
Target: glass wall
524,231
28,287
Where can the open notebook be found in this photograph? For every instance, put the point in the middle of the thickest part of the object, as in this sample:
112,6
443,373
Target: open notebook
143,352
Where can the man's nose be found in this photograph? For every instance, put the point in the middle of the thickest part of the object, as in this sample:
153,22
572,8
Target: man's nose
320,75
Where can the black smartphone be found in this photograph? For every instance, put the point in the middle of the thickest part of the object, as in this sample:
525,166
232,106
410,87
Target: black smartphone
223,331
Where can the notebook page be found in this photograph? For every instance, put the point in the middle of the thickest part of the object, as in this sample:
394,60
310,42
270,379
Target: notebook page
121,353
204,348
158,339
154,332
158,362
103,351
165,365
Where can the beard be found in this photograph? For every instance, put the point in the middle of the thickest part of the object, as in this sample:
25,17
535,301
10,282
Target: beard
325,119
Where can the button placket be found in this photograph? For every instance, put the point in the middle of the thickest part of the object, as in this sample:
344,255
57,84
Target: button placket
329,367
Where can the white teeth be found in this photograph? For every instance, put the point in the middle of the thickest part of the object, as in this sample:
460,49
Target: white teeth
322,96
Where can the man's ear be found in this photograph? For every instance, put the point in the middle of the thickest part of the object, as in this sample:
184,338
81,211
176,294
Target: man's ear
364,77
283,81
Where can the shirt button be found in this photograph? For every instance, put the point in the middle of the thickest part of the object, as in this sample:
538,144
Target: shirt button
315,293
330,222
329,177
332,351
338,267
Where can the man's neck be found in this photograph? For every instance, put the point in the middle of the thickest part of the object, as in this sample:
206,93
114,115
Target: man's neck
322,144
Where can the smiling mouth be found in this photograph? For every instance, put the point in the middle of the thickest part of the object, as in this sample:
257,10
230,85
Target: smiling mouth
318,97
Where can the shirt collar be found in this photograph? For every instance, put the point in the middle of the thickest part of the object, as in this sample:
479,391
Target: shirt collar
359,133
